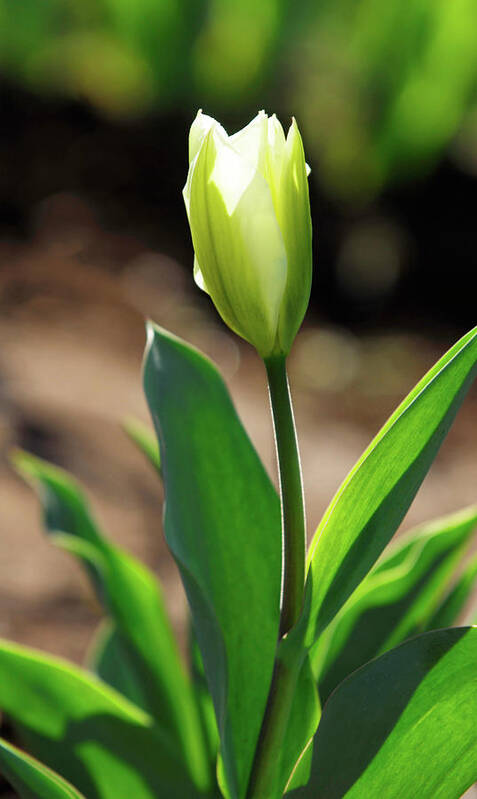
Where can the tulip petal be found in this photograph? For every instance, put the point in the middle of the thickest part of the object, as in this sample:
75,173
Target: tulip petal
294,217
251,142
276,135
198,131
200,226
198,276
186,189
237,241
231,172
275,158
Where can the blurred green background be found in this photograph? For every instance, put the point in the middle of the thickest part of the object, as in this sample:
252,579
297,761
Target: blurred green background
380,89
385,95
96,99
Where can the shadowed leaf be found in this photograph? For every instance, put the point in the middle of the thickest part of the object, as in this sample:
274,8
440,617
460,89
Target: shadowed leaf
30,778
222,523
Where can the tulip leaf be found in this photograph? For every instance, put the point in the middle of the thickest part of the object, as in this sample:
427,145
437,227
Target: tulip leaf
30,778
131,596
456,600
145,440
301,773
222,524
86,731
402,725
203,698
111,659
375,496
395,600
302,724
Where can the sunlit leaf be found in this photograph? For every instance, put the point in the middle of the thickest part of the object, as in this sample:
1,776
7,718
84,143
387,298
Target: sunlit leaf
302,724
131,596
396,599
402,725
86,731
375,496
456,600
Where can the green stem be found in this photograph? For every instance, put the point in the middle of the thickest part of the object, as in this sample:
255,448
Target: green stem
266,767
265,774
291,492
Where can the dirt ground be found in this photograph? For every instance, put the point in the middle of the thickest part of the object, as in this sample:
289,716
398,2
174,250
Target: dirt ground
72,304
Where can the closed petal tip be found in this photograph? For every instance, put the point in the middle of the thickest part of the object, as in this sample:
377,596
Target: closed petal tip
251,142
198,142
276,135
296,152
231,173
295,133
199,129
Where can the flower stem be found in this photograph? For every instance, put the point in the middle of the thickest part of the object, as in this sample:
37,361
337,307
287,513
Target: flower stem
291,493
265,775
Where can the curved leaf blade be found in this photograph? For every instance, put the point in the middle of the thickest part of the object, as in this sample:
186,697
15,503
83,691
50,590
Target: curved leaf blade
402,725
222,524
375,496
131,595
395,600
86,731
145,440
456,600
30,778
111,659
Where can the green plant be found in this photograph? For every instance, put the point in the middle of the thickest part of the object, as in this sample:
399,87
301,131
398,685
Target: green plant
358,630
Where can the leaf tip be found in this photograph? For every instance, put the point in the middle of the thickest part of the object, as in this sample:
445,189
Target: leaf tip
23,463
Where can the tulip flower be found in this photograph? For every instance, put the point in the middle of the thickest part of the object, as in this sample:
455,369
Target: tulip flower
247,202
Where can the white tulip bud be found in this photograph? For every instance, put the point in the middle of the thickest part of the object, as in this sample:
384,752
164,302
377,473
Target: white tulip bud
248,206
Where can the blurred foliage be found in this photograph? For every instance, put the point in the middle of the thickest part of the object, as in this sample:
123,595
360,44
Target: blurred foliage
380,89
386,86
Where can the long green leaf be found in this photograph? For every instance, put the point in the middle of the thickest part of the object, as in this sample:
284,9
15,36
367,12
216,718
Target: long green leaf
222,523
375,496
132,597
86,731
456,600
30,778
403,725
145,439
110,657
302,724
203,698
395,600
